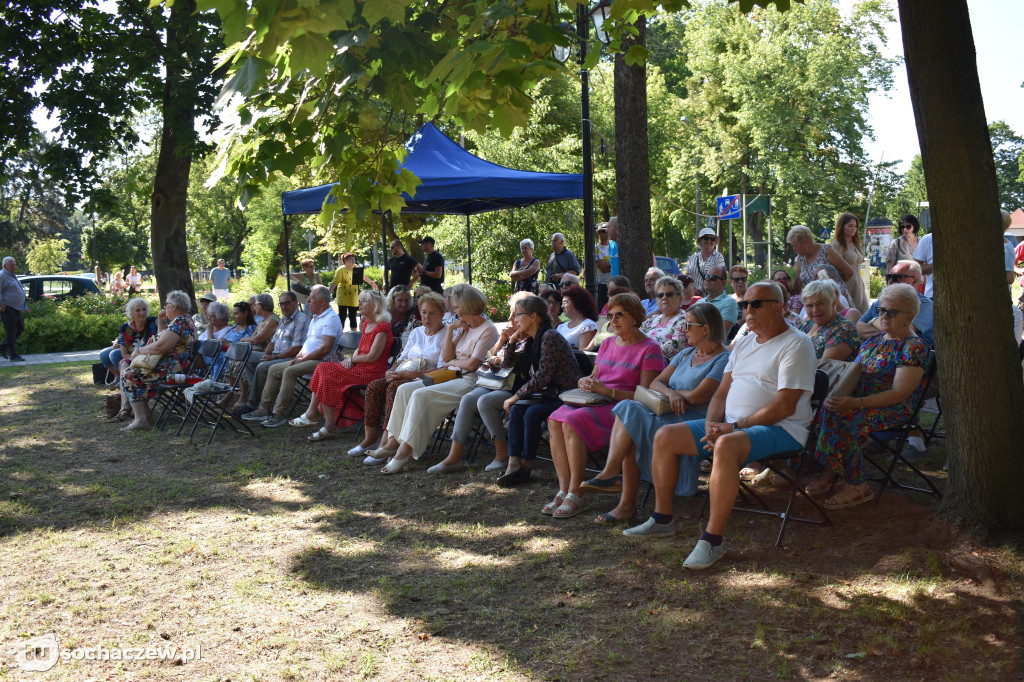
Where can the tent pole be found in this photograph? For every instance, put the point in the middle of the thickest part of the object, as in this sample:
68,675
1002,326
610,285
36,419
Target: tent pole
287,258
469,252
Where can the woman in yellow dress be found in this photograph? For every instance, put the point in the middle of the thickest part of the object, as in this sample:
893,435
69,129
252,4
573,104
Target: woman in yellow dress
346,293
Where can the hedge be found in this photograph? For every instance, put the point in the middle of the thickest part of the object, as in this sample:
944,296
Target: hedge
83,323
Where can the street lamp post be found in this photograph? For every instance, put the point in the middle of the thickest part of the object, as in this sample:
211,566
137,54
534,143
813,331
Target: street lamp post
685,120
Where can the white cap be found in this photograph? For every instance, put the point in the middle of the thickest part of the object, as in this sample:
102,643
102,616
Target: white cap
707,232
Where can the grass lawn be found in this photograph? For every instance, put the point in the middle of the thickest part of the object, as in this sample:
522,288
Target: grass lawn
283,559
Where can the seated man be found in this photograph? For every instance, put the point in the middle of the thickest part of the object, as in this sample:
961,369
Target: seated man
904,272
568,280
651,278
324,332
716,295
761,408
282,347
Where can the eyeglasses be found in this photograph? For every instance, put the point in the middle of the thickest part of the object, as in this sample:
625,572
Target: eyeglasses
617,316
706,239
739,279
756,303
713,278
666,294
891,313
518,315
904,226
895,277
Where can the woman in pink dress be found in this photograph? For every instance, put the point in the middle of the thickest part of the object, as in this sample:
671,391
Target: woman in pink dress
332,382
625,361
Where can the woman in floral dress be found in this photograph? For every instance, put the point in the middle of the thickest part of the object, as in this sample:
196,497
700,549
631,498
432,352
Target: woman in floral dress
834,337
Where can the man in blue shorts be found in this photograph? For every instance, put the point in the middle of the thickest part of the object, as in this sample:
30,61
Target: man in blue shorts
762,407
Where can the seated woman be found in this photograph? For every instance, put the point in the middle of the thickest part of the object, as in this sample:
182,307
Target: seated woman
218,315
553,298
488,403
690,296
419,355
834,337
552,368
578,305
894,362
628,361
137,331
689,382
175,346
259,339
403,317
244,325
333,381
667,326
418,408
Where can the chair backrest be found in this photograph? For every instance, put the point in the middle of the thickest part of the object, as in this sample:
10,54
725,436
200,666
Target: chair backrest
350,340
820,388
585,360
239,351
396,350
931,378
210,348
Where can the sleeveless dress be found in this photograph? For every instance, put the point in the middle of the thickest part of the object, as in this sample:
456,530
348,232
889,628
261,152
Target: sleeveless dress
808,271
855,285
331,381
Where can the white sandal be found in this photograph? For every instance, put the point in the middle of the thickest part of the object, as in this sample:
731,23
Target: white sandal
303,421
322,434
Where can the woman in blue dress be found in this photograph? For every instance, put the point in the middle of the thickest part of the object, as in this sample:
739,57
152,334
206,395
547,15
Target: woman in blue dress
689,381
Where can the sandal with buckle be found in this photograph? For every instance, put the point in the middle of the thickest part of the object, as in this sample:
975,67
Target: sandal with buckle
303,420
571,505
322,434
554,504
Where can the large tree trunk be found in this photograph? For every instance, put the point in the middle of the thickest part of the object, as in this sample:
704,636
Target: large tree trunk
632,166
980,373
170,185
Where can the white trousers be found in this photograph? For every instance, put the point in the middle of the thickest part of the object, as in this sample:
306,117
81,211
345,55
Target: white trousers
418,410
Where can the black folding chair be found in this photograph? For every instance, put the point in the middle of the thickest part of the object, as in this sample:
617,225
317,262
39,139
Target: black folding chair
778,463
893,440
206,407
169,398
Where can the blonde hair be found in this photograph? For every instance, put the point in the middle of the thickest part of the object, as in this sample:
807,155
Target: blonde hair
467,299
799,233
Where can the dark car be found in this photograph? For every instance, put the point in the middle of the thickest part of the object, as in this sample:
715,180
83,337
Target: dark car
57,287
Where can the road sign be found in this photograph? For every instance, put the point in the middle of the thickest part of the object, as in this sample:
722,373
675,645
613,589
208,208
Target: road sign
729,207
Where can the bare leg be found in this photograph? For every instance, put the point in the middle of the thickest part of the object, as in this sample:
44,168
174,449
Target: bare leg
389,442
669,443
620,449
454,454
559,456
311,411
370,434
328,418
404,451
577,452
731,450
630,484
141,412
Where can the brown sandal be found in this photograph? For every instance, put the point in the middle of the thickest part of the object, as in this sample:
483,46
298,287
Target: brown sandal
849,496
819,486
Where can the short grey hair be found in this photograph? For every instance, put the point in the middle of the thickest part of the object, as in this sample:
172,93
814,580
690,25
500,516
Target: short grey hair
321,292
218,311
569,277
8,259
914,267
654,271
135,303
711,317
778,293
558,235
903,295
799,233
180,300
670,282
526,242
823,287
380,304
266,302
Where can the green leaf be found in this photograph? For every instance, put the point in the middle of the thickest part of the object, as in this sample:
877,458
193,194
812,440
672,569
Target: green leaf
376,10
637,54
250,74
310,51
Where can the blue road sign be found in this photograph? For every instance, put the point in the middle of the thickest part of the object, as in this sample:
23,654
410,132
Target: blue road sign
729,207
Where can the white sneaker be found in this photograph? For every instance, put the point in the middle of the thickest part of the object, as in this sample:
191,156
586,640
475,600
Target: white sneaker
704,556
357,451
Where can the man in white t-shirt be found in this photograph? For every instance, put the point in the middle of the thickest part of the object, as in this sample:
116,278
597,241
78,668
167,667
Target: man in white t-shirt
762,407
923,255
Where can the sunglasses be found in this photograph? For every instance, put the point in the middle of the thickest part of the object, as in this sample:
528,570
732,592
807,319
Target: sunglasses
893,277
739,279
693,324
904,227
785,278
713,278
891,313
666,294
756,303
566,285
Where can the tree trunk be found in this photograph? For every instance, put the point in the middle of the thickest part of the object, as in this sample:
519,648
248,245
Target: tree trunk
632,166
170,184
979,368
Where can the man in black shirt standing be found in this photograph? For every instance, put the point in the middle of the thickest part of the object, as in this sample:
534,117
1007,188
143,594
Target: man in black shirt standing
432,271
401,266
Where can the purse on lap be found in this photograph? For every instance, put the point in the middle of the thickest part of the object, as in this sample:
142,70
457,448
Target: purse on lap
842,376
656,402
577,398
146,363
498,380
412,365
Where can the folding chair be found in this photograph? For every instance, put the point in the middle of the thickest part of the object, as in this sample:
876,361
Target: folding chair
777,463
302,394
893,440
169,396
206,407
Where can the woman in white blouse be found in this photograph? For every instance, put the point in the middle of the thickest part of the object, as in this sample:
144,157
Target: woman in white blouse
578,305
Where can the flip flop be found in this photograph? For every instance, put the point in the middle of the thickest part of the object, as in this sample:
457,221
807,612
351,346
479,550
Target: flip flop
607,518
322,434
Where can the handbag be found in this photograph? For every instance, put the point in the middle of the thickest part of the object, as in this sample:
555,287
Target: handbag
497,380
412,365
146,363
577,398
656,402
842,376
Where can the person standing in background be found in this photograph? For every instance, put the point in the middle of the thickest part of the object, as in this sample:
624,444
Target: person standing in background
431,273
134,281
902,248
701,263
221,278
12,302
613,241
846,242
603,264
346,293
401,266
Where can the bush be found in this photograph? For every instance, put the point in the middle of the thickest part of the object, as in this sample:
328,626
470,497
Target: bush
877,283
83,323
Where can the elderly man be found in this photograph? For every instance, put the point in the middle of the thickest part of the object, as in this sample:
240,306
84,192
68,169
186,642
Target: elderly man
401,266
12,303
762,407
708,257
283,346
202,318
220,277
714,288
561,260
651,278
321,338
904,272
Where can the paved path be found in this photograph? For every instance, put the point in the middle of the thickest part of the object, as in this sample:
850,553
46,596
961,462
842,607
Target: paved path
55,358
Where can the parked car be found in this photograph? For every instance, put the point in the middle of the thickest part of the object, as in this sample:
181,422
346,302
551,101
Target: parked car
667,265
57,287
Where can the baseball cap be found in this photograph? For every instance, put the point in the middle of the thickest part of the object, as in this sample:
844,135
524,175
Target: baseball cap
208,297
427,239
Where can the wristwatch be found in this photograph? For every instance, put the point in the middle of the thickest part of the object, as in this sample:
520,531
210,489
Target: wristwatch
736,426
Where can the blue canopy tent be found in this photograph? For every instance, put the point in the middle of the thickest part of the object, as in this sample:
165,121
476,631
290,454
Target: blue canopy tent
453,182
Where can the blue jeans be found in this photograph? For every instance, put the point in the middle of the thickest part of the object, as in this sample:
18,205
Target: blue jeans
525,423
110,357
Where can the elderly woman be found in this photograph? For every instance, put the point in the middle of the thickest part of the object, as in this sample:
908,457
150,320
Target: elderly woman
551,368
579,306
403,317
175,348
219,317
628,361
525,269
117,284
846,242
346,293
419,408
488,403
812,256
419,355
893,365
667,326
834,337
136,332
332,382
244,326
689,382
